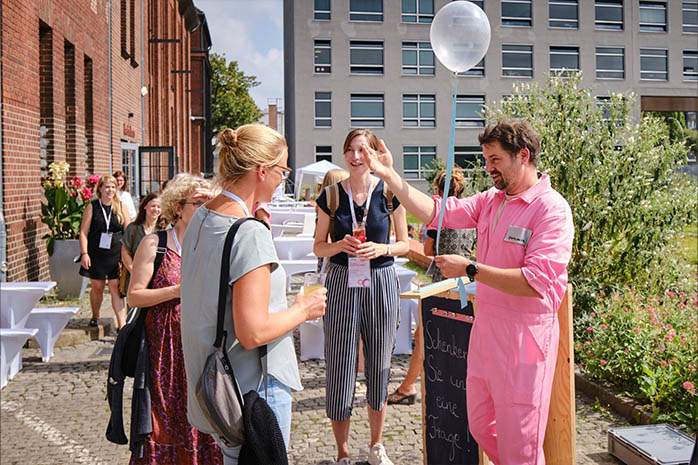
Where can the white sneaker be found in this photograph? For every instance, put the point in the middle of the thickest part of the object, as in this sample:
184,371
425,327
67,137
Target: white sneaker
344,461
377,455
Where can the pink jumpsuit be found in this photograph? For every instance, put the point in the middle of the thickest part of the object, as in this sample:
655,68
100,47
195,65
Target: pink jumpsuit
513,344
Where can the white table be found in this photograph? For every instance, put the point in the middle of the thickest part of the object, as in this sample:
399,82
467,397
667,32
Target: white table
293,248
11,343
403,337
49,322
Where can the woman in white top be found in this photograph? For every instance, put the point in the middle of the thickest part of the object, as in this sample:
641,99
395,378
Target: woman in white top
124,195
252,163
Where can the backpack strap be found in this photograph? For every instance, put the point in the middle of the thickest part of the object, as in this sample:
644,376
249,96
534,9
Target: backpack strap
162,250
332,194
389,195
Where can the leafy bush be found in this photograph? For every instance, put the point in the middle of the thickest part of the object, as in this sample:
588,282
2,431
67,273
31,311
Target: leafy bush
647,347
620,179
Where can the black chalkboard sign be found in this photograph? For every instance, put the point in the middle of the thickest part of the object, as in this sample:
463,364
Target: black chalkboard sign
446,330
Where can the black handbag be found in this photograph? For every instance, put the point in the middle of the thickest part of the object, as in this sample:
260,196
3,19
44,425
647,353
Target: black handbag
217,390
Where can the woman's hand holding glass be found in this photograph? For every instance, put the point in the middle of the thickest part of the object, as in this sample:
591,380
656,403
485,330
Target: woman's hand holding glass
348,245
313,303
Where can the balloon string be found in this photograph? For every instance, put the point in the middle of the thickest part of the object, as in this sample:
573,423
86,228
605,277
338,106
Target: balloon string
449,162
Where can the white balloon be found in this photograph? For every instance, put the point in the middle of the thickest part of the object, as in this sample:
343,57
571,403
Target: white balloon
460,35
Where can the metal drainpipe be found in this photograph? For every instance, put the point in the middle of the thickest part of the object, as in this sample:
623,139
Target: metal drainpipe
111,142
3,232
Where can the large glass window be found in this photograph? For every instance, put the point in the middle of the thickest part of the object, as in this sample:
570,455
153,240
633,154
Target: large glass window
469,110
367,110
609,14
517,60
654,64
476,70
417,11
417,58
653,16
516,13
564,59
419,110
366,10
610,62
322,60
366,57
321,10
468,156
689,13
416,160
323,109
690,65
563,13
323,152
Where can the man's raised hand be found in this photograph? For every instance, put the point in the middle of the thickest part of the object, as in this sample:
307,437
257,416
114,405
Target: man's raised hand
380,162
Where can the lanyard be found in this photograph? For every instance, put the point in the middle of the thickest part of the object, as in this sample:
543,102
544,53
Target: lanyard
107,219
176,242
238,200
351,203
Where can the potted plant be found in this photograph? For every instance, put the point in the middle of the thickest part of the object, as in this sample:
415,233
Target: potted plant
65,202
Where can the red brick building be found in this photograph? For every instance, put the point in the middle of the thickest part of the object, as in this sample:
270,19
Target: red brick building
72,91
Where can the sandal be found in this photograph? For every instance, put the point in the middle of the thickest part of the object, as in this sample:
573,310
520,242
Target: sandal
94,322
398,398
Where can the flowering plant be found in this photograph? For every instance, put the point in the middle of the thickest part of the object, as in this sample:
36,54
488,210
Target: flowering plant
65,203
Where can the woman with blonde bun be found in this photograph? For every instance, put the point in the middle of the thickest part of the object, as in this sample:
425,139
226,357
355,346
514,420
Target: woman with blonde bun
252,163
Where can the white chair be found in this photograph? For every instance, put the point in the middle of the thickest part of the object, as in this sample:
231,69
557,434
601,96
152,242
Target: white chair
312,340
293,248
11,343
49,322
308,226
292,267
17,300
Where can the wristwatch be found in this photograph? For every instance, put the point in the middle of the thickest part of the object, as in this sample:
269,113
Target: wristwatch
388,245
471,270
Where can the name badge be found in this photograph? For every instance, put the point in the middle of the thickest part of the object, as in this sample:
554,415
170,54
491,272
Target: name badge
105,241
359,272
518,235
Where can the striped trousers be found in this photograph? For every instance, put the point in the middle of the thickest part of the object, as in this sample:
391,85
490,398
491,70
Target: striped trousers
370,313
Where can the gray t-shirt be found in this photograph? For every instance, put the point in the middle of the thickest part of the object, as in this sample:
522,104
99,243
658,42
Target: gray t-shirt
201,263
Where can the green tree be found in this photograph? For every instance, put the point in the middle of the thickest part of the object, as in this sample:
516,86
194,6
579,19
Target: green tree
621,181
231,104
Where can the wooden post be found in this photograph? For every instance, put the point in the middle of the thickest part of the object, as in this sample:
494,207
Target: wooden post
560,436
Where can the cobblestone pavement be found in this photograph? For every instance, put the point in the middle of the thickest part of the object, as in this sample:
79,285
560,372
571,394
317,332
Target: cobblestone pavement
56,413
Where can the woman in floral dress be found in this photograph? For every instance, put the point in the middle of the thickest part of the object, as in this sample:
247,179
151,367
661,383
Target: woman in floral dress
174,440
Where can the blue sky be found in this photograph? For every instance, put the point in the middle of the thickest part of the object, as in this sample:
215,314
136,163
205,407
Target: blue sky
251,32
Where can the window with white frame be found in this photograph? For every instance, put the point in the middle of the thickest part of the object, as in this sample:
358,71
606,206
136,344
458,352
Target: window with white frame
323,152
516,13
609,14
417,160
603,103
322,59
564,60
469,112
417,58
417,11
419,110
653,16
321,10
690,65
517,60
654,64
689,13
365,10
476,70
323,109
610,63
367,110
563,13
366,57
468,157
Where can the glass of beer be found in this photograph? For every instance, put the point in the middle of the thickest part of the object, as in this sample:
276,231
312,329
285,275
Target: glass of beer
359,231
311,282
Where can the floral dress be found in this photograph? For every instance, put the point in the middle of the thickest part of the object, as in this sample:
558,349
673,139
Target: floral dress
174,440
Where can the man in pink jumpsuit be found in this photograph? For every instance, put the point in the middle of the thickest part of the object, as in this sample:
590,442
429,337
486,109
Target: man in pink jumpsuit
525,234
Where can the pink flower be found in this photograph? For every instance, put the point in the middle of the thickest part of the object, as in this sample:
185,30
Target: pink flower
625,351
669,326
672,361
670,293
682,293
687,385
590,328
636,329
669,336
86,193
93,179
691,367
602,362
604,326
683,336
593,314
664,363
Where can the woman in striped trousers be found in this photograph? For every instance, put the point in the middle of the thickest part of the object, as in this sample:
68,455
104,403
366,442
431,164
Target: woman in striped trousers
362,292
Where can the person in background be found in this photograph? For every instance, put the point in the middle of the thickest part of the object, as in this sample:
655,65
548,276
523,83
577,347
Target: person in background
410,231
525,235
261,212
360,313
100,248
452,241
124,195
147,222
173,441
252,163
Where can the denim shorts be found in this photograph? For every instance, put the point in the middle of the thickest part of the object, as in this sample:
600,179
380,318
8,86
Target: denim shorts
279,399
